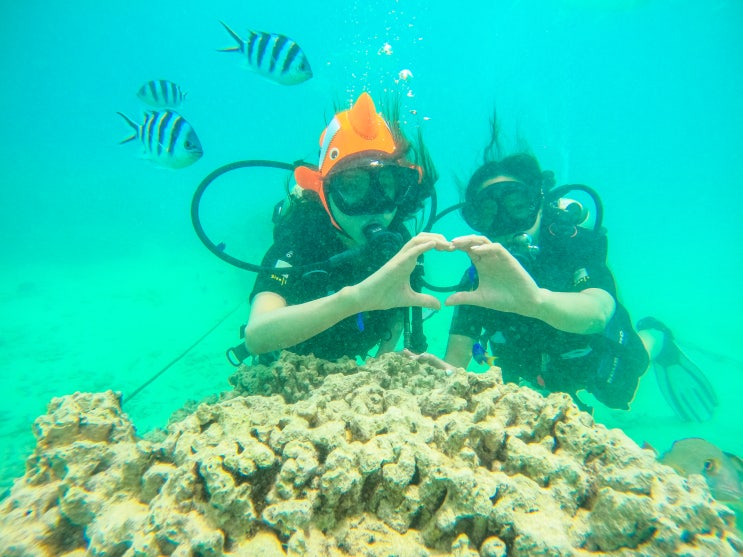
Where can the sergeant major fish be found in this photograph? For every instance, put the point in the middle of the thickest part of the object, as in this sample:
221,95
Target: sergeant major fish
274,56
161,93
167,139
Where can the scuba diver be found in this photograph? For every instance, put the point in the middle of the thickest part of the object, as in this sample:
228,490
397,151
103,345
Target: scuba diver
338,275
541,296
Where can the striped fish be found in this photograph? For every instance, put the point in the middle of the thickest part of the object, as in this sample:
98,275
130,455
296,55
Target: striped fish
273,56
161,93
167,139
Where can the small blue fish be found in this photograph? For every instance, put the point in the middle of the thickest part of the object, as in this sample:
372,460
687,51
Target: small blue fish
481,356
472,276
167,139
274,56
161,93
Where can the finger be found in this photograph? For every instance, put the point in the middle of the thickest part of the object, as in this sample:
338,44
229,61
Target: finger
414,251
493,249
460,298
433,361
425,300
471,237
467,242
440,242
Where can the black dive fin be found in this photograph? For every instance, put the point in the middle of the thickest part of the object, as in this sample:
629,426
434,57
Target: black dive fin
684,386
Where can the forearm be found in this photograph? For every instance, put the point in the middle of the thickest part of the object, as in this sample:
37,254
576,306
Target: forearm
459,350
290,325
584,313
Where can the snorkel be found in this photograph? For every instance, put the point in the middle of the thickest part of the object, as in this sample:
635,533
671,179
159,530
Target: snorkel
381,244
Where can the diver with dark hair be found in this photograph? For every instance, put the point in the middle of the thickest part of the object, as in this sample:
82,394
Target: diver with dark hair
541,303
344,228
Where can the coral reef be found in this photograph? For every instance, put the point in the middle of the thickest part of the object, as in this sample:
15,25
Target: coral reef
307,457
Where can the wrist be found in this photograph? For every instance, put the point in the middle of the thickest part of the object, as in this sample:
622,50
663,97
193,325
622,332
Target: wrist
539,304
350,300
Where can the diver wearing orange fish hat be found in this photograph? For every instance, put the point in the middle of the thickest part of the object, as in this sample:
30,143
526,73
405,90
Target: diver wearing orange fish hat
344,227
362,166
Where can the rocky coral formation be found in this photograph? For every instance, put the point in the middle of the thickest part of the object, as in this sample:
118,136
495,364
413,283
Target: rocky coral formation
391,458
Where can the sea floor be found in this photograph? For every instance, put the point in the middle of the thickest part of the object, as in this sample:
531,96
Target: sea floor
117,324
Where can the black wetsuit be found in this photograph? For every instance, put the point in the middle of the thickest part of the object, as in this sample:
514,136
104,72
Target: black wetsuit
307,238
608,365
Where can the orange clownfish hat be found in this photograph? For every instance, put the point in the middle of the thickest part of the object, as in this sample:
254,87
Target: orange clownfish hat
356,130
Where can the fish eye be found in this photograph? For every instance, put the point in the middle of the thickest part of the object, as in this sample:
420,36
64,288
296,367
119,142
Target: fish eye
188,144
710,465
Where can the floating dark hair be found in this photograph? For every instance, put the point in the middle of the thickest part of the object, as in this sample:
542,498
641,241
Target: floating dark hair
413,151
522,166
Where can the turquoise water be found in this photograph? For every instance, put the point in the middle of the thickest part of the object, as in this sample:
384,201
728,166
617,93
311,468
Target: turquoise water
103,282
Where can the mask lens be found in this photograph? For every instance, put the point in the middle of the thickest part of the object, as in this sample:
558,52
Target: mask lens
499,191
517,204
504,207
351,185
388,182
369,190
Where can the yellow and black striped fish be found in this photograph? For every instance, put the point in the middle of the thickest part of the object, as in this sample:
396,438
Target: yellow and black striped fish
273,56
161,93
167,139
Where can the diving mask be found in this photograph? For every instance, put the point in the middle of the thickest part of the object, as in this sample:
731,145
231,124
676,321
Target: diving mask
503,208
373,188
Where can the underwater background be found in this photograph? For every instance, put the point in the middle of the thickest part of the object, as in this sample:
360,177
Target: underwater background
103,282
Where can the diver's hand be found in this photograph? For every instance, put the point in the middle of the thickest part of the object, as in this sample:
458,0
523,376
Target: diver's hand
438,363
427,358
504,284
389,287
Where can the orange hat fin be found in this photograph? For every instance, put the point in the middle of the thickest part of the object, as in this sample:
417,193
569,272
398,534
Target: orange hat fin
363,117
308,178
354,131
